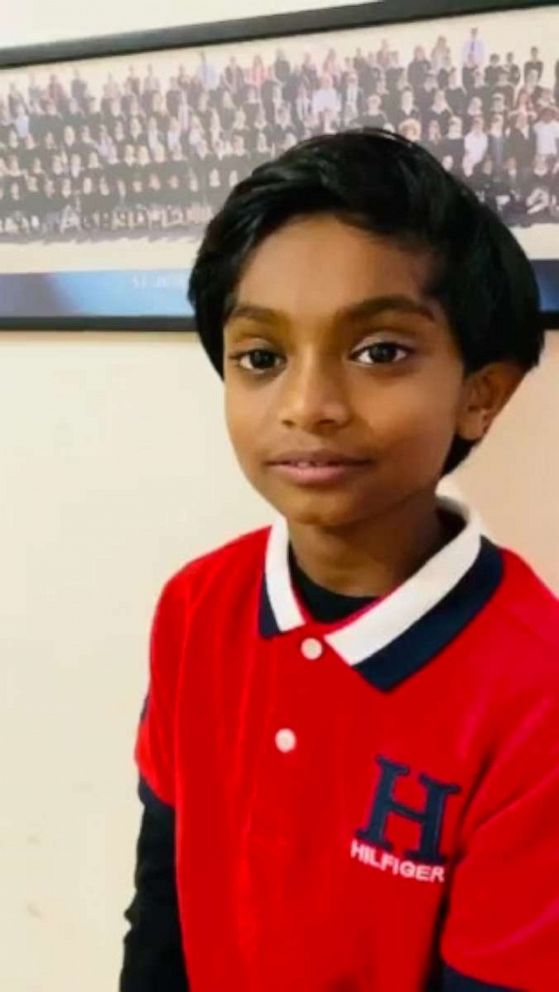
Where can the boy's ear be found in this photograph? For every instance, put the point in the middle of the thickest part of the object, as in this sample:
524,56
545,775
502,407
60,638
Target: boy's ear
485,394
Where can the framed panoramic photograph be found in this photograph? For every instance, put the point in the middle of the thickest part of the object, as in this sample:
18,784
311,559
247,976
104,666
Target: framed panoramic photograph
115,152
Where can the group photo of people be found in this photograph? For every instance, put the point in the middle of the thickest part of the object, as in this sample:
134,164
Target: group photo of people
154,154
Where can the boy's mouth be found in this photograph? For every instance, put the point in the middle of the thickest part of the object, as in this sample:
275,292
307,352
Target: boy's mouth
317,467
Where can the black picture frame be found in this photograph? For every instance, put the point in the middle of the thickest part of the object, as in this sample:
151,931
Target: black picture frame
270,27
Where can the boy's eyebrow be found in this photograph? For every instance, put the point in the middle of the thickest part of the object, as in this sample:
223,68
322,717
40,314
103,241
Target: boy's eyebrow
253,312
375,305
370,307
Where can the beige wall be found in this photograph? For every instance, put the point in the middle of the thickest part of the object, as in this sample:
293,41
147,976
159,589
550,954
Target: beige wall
514,477
35,21
115,468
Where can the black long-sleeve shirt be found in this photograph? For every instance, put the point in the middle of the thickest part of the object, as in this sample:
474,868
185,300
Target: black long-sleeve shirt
153,956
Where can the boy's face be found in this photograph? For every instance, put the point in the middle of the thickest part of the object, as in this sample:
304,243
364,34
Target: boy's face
365,374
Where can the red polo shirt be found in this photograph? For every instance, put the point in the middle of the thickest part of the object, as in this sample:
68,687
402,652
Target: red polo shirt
365,806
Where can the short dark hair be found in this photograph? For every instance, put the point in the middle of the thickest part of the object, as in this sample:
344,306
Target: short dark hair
385,184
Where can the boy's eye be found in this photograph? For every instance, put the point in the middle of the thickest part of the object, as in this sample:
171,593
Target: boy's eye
257,360
382,353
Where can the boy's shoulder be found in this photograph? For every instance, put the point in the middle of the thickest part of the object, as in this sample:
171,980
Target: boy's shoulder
526,614
237,555
530,603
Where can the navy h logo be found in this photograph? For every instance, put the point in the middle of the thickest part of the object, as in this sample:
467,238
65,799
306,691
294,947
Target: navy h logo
430,817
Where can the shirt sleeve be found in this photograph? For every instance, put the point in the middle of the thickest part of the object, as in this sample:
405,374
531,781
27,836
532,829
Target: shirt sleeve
155,750
153,947
501,930
153,956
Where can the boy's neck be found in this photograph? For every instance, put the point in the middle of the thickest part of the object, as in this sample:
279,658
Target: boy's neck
373,557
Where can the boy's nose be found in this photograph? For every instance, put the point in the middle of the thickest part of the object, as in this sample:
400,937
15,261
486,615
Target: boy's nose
314,397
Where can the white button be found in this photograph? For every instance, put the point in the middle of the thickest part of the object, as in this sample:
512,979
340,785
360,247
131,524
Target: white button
311,648
285,740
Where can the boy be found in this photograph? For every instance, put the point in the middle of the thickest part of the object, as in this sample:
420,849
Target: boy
349,752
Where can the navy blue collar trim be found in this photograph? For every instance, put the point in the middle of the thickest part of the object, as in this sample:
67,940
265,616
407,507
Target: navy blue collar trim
267,624
417,646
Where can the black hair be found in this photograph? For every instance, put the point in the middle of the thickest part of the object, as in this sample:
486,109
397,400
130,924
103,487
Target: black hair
390,186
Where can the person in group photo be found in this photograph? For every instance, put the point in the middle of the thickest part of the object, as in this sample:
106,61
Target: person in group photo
107,199
33,203
173,199
88,205
70,216
16,218
52,209
156,213
138,214
121,207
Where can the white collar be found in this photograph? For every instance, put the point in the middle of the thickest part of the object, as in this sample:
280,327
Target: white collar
385,621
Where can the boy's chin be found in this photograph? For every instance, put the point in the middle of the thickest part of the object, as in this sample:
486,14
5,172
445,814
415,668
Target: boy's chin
329,511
